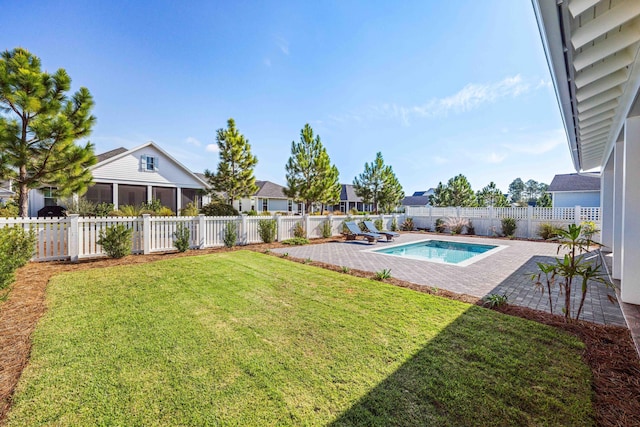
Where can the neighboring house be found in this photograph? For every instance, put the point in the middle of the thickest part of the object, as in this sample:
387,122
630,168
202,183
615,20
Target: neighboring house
419,198
270,197
5,191
569,190
132,177
349,200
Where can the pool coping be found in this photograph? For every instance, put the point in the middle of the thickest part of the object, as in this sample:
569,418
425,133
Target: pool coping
465,263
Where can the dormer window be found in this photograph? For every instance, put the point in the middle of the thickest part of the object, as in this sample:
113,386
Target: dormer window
148,163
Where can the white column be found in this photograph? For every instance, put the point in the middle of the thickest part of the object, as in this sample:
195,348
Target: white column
630,279
178,200
115,196
606,204
618,185
149,193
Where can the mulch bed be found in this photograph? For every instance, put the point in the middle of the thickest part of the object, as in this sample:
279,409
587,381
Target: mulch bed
609,349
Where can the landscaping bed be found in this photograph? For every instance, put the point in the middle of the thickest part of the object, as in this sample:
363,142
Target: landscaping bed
608,351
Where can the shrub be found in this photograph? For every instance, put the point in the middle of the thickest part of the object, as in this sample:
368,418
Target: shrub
296,241
471,229
103,209
127,210
353,211
456,225
495,300
267,230
164,211
589,228
298,230
230,234
9,210
407,225
509,226
440,225
16,248
308,261
345,230
116,241
345,269
383,274
190,210
182,238
154,206
379,224
547,230
252,213
326,229
219,209
80,206
394,224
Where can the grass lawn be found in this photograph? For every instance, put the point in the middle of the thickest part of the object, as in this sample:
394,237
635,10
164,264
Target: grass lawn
242,338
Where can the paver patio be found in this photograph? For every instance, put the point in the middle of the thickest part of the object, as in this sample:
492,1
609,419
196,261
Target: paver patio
505,272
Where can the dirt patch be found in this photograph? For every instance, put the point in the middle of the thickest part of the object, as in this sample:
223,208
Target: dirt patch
609,350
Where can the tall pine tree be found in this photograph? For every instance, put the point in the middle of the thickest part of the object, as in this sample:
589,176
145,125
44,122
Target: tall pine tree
311,178
378,185
492,196
234,176
456,192
39,127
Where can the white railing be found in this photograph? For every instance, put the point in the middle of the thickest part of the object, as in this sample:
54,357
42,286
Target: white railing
76,237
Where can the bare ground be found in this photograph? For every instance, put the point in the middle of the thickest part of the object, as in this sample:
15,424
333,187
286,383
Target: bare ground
609,349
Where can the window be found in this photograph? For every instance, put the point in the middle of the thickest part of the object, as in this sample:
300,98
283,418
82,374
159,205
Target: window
148,163
239,205
133,195
100,193
49,199
167,196
265,205
191,195
290,206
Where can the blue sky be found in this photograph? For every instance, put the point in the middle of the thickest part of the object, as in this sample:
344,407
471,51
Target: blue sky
440,88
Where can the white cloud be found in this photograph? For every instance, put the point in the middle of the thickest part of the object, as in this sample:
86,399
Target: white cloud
496,158
212,148
537,143
283,44
192,141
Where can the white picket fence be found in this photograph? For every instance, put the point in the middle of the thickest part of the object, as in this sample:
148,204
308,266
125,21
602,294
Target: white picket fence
74,237
487,221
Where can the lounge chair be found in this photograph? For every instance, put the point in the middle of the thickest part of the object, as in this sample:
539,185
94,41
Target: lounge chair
354,231
372,228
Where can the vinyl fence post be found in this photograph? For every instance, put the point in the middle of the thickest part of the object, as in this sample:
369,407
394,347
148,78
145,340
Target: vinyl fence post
243,232
307,224
202,232
576,215
146,234
330,219
492,215
73,237
278,219
430,217
529,223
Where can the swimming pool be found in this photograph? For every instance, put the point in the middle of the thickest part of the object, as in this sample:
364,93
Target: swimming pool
445,252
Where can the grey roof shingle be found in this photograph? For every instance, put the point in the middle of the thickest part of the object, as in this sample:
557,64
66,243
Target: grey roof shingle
270,190
574,182
348,194
109,154
415,201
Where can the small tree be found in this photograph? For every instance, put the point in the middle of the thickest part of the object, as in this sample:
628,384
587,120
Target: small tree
516,190
491,196
379,185
116,241
457,192
574,267
267,230
234,176
311,178
39,127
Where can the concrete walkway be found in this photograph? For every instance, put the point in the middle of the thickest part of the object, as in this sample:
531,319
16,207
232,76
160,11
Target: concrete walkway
507,271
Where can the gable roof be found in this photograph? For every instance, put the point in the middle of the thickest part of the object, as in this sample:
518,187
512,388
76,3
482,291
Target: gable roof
424,193
109,154
415,200
118,153
348,193
574,182
270,190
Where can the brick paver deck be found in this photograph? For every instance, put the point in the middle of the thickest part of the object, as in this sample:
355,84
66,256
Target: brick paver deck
505,272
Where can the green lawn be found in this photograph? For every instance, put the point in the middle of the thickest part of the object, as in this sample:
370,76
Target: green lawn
241,338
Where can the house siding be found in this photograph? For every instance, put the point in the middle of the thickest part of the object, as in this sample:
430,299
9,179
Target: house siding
569,199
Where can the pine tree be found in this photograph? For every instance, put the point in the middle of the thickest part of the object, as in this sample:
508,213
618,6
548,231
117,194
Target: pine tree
234,176
516,188
378,184
440,196
456,192
39,127
491,196
311,178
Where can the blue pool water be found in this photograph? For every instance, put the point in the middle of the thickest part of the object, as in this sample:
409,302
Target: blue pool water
438,251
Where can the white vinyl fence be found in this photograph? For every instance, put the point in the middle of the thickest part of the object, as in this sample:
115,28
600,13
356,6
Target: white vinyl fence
73,237
487,221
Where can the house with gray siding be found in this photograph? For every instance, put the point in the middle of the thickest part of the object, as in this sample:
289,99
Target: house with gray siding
569,190
269,197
